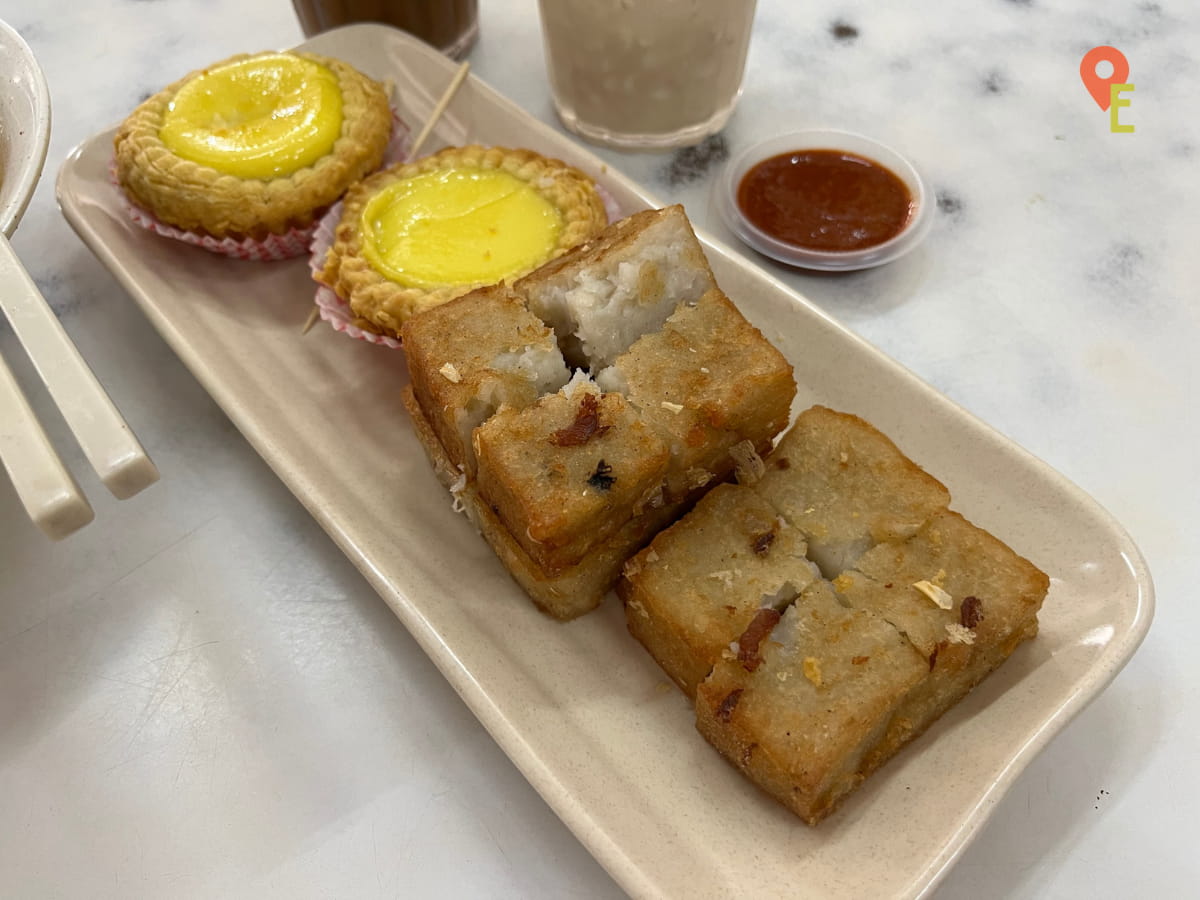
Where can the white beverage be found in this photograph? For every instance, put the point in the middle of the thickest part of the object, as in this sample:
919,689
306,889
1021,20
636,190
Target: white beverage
646,73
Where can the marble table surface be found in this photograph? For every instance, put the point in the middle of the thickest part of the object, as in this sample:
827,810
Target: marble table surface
148,750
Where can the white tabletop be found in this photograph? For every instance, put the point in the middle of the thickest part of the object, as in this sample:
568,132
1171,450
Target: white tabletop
199,696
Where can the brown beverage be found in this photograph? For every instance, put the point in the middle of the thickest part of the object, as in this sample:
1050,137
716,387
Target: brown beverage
449,25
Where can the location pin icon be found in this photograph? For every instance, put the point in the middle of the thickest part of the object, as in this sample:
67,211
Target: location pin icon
1099,87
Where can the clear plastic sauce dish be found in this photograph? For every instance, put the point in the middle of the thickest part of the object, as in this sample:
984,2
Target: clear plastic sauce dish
824,199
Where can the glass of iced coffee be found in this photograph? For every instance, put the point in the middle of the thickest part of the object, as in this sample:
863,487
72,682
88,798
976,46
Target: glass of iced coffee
646,73
449,25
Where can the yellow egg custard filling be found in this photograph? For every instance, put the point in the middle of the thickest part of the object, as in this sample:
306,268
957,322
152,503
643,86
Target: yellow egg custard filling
420,234
458,226
261,117
253,145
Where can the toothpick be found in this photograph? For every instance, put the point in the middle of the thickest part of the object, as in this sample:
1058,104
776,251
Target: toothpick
447,96
443,102
312,320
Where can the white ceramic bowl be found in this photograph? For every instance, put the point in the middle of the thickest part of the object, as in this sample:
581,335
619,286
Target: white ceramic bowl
24,126
725,198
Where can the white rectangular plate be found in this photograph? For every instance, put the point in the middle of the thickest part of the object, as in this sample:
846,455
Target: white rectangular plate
580,707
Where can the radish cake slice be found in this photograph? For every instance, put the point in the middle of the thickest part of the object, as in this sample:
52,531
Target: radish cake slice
802,716
474,355
605,295
705,381
699,585
566,472
962,598
847,487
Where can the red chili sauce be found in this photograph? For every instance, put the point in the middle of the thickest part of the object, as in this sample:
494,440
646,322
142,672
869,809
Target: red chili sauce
825,200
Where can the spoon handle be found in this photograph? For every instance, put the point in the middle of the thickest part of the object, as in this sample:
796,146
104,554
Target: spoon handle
107,441
43,484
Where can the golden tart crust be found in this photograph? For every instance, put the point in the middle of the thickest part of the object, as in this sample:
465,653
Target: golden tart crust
196,197
382,305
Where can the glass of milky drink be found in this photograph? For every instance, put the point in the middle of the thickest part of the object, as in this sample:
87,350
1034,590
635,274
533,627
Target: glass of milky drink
449,25
645,74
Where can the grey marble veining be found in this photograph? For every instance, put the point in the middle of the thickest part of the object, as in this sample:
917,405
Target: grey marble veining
1055,297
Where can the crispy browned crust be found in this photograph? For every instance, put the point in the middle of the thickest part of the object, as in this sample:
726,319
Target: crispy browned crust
700,583
845,477
801,723
567,594
199,198
723,381
563,490
992,587
382,305
670,647
469,332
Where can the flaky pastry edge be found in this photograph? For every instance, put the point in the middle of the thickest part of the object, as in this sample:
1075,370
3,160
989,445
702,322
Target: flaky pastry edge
196,197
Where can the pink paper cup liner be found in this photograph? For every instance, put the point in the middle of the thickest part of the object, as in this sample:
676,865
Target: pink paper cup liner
611,208
273,247
333,309
336,312
289,245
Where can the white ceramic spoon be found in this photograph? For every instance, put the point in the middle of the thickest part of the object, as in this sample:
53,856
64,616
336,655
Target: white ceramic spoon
45,487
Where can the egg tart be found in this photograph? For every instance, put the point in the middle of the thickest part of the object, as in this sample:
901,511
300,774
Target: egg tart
419,234
253,146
